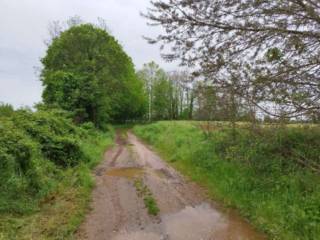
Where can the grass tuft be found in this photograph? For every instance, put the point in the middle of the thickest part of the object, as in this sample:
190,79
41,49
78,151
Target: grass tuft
149,201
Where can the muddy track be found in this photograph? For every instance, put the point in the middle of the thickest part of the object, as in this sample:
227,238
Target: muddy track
119,213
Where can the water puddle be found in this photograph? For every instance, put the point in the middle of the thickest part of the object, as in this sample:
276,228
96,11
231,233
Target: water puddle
126,172
201,222
204,222
192,223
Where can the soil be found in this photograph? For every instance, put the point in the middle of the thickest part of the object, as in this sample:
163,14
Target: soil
186,213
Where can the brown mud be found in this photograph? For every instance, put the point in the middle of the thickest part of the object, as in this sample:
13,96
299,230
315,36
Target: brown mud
118,213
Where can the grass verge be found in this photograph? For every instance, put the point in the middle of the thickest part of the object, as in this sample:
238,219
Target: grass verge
259,173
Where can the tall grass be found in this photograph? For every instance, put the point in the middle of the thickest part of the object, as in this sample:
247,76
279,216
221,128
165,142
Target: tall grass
268,174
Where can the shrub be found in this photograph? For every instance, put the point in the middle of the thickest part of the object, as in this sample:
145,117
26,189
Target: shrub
34,149
57,136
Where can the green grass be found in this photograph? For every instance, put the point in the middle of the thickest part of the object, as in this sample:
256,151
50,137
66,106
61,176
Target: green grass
151,205
258,172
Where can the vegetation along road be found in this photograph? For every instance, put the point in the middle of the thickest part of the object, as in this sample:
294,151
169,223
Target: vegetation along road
139,197
236,128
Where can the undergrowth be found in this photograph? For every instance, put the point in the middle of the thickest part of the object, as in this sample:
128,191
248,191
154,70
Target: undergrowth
269,174
45,177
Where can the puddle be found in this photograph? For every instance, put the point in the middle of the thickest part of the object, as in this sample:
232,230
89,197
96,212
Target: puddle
126,172
201,222
192,223
204,222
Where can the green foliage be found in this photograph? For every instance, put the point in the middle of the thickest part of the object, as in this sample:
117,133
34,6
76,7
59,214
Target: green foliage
273,54
268,174
57,136
35,147
45,163
162,99
151,205
165,92
23,171
6,109
87,73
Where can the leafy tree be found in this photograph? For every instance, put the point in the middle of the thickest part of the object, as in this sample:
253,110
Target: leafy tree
267,51
169,96
182,95
162,99
87,72
149,74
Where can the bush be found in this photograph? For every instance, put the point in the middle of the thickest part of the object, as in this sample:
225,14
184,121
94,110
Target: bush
35,147
63,151
57,136
23,171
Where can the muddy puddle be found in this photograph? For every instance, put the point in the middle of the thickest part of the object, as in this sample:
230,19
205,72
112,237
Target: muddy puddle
130,172
204,222
192,223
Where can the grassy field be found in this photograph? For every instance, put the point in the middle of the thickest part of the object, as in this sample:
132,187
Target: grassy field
269,174
46,179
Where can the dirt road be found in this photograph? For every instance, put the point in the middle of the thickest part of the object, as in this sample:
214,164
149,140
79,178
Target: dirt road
119,211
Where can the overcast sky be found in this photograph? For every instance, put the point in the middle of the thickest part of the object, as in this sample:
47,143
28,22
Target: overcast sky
24,28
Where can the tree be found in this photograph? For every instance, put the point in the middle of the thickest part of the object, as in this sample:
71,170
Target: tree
207,103
162,99
149,74
182,95
86,71
271,48
169,93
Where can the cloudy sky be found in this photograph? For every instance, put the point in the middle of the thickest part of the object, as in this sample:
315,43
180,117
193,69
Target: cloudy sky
24,28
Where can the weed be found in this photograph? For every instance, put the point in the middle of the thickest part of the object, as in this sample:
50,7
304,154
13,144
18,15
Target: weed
149,201
151,205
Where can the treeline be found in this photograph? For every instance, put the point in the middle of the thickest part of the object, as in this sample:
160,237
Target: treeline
176,95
